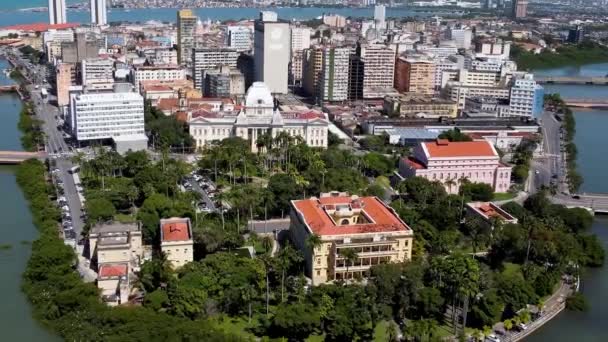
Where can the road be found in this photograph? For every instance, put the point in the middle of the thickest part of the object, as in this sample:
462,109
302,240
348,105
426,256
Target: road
551,161
55,145
204,195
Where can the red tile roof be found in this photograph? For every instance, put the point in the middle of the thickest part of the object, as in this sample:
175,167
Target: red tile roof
414,164
115,270
384,219
445,149
40,27
175,230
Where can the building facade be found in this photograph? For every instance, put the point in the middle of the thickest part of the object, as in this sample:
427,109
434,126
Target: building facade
258,117
378,69
209,59
365,225
96,116
415,75
239,38
224,82
161,73
409,106
65,78
97,73
272,53
333,84
450,162
186,25
176,240
99,12
57,12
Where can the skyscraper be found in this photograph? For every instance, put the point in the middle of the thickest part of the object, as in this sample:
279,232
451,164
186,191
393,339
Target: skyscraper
99,12
186,25
271,52
57,13
380,16
520,9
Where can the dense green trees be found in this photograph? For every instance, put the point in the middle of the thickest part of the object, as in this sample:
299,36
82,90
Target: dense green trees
166,131
584,53
32,135
454,135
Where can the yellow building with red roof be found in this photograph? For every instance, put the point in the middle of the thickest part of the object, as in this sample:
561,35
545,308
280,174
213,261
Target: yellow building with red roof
176,240
342,222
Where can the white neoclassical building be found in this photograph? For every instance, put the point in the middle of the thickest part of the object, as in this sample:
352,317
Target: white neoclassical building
258,116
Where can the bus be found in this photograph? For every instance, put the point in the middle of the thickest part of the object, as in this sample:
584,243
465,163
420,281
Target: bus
74,169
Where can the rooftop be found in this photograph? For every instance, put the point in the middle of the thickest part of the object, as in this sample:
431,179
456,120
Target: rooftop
443,148
488,210
175,229
115,227
40,27
113,270
377,217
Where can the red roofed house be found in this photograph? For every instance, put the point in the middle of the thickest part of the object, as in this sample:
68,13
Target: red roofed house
176,240
364,224
113,281
448,162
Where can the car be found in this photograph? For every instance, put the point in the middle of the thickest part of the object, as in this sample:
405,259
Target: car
536,172
522,326
576,197
492,338
554,176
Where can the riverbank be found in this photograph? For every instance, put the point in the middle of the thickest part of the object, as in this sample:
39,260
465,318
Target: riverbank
567,55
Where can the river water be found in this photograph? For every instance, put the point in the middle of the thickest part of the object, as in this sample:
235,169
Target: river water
591,127
16,231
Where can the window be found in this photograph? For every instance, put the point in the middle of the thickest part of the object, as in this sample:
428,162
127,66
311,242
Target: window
318,272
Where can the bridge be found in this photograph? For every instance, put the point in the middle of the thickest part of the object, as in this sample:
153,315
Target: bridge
9,88
18,157
571,80
587,103
596,203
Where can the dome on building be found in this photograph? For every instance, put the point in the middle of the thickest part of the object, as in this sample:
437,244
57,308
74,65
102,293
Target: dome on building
259,100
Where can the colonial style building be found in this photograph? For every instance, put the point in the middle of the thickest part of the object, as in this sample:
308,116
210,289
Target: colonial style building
449,162
258,116
363,225
176,240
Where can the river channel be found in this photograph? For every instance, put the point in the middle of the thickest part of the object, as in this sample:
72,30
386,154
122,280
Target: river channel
591,127
16,234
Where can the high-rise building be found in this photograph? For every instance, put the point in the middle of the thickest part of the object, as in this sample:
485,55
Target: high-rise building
311,70
520,9
168,72
99,12
415,75
576,34
211,58
98,73
238,38
65,77
380,17
461,36
224,82
489,4
526,96
333,85
57,12
186,25
108,115
300,40
272,52
84,46
378,69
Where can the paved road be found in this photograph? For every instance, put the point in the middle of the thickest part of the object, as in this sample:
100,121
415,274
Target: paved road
204,195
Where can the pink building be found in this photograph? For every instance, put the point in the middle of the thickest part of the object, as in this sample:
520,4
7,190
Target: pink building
442,160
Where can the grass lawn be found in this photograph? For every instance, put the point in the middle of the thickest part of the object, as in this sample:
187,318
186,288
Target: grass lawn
124,218
380,334
503,196
236,326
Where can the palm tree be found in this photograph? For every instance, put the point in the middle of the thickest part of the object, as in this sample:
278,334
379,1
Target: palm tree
267,243
508,324
450,182
350,256
247,295
313,241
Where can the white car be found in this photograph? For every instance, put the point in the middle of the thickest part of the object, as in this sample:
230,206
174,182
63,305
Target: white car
522,326
492,338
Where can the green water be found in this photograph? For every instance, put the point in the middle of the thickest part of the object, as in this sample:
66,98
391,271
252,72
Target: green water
17,232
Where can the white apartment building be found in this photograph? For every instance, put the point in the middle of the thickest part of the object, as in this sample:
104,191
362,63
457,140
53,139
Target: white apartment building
461,36
53,39
272,52
493,48
98,73
57,12
211,58
380,17
165,56
526,96
300,38
379,69
157,73
459,92
442,65
97,116
239,38
438,51
333,83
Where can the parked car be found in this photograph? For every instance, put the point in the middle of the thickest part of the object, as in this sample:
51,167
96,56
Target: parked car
522,326
492,338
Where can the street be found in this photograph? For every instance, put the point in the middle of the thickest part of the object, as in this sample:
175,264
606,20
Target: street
549,167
